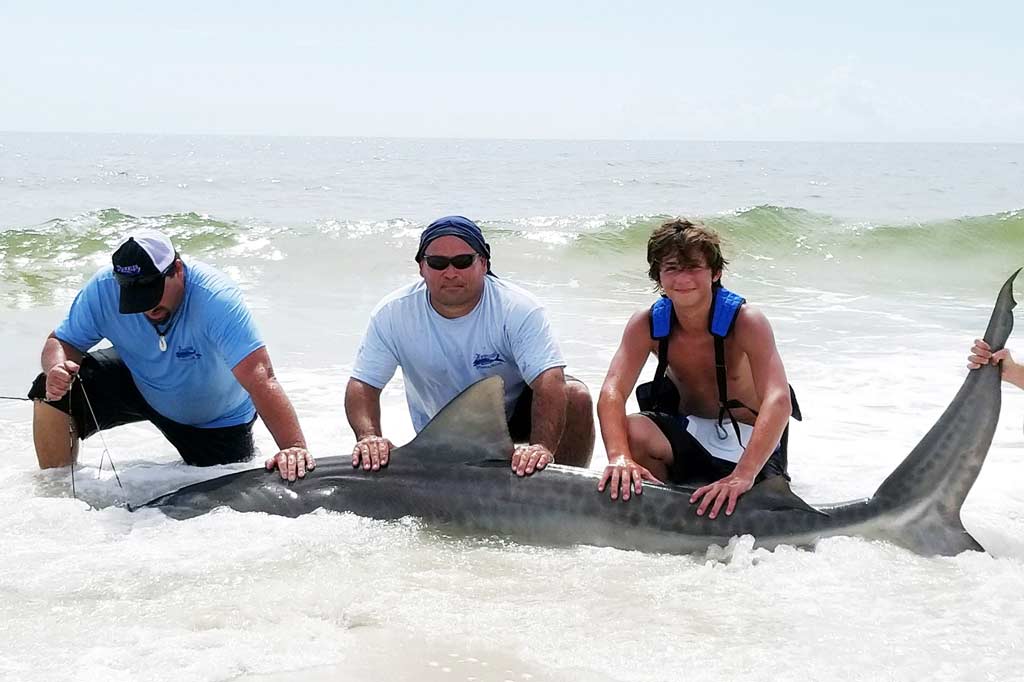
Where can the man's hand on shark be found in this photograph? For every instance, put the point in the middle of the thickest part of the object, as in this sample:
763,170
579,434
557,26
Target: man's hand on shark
626,476
529,458
723,491
981,354
293,463
372,453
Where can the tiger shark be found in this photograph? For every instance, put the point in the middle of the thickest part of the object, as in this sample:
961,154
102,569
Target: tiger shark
455,475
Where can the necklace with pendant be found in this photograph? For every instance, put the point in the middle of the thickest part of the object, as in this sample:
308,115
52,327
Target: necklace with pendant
162,333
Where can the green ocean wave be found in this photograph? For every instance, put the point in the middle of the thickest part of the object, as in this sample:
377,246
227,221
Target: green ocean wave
779,232
61,253
769,230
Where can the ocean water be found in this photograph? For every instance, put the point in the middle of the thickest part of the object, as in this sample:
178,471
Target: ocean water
877,264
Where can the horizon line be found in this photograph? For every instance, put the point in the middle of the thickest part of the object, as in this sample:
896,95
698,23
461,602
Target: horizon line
473,138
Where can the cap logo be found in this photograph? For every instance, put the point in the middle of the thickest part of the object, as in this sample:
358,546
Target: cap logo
128,269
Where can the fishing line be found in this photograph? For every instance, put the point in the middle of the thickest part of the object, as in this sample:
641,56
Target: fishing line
71,434
106,448
71,438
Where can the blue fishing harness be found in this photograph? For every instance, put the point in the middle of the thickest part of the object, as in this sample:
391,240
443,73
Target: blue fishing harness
661,394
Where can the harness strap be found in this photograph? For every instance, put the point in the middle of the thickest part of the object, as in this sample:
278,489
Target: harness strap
659,374
720,373
661,327
725,309
725,405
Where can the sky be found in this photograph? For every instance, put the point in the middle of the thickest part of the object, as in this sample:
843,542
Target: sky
741,70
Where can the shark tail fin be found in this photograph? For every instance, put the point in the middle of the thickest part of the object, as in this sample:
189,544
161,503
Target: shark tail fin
931,484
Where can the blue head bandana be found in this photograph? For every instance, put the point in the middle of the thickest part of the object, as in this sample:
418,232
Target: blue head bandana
455,226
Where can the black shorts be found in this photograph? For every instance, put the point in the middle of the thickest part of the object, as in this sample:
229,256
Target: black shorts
520,424
693,464
116,400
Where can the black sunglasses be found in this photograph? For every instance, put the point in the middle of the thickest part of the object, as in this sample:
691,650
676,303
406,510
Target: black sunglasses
461,262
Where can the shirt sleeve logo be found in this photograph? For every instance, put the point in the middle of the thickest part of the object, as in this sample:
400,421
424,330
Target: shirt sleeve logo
483,361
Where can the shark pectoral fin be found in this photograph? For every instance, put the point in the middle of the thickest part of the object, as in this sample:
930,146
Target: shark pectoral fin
774,494
472,423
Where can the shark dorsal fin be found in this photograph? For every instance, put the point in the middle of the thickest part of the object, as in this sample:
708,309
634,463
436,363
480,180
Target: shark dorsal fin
472,426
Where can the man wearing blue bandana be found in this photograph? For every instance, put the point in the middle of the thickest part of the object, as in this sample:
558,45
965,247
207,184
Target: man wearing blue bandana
456,326
186,357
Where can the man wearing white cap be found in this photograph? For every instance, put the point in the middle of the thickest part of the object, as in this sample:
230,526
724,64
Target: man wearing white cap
186,356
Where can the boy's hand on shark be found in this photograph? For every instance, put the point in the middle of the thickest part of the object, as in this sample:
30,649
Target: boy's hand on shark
626,476
372,452
292,463
723,491
529,458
